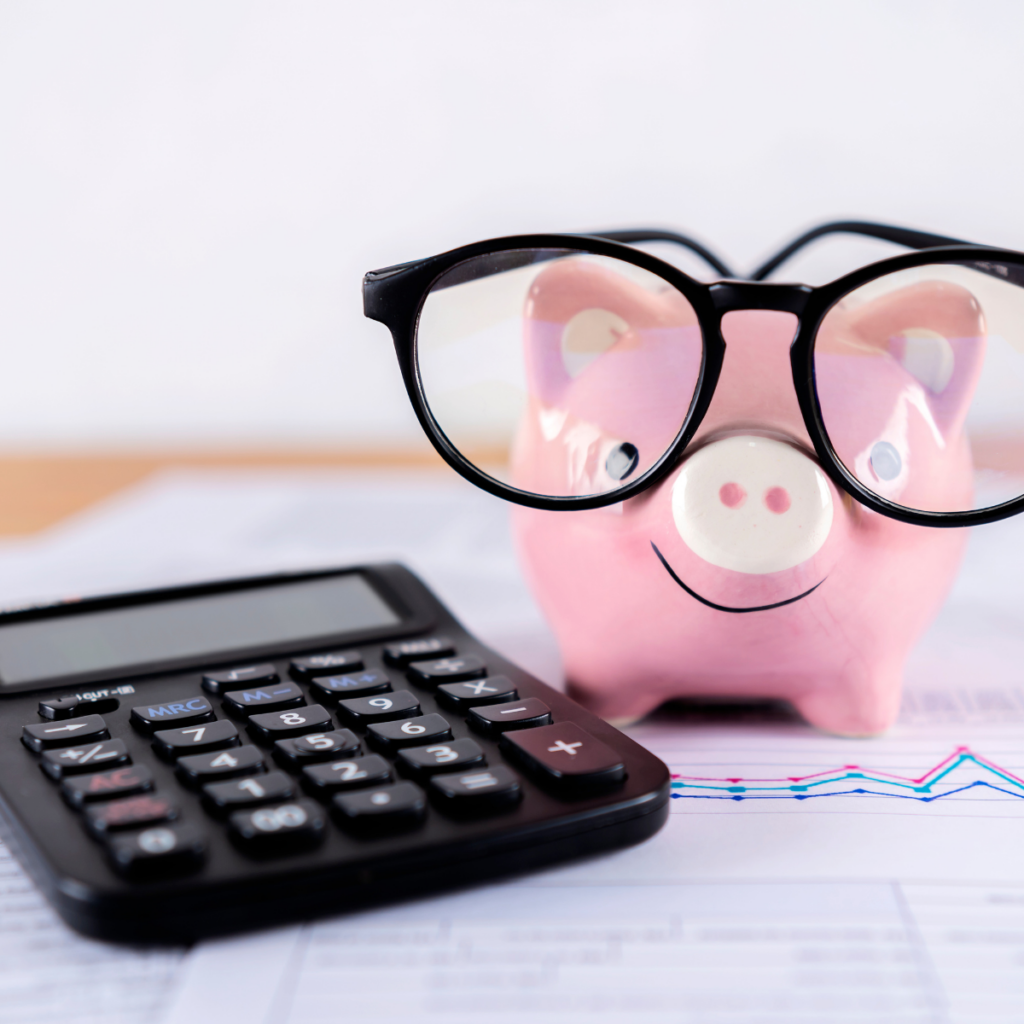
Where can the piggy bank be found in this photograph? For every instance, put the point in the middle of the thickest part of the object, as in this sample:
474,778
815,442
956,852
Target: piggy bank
745,572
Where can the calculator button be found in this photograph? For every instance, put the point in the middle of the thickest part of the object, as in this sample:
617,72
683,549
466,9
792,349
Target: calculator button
247,675
274,697
158,849
358,684
59,708
269,829
447,670
279,725
463,696
88,757
362,711
420,762
148,809
225,764
316,747
564,753
49,735
477,792
171,744
399,806
387,737
406,651
188,711
326,664
86,789
520,714
356,773
222,797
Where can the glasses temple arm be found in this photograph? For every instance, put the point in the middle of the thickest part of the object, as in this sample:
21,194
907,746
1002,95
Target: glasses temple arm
887,233
632,236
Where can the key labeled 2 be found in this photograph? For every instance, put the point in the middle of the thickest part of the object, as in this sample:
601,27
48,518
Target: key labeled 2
355,773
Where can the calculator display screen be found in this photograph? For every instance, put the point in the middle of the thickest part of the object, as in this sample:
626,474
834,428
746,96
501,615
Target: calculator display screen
119,638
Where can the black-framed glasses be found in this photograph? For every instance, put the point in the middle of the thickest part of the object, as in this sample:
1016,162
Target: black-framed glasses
572,372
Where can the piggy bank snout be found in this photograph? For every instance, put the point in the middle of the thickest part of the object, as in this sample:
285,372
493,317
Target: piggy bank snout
752,504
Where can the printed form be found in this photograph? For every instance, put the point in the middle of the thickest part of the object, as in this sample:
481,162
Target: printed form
800,877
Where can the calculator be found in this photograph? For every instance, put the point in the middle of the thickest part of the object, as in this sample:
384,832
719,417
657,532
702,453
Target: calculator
197,760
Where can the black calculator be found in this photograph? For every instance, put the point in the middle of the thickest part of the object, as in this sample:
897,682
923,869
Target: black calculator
192,761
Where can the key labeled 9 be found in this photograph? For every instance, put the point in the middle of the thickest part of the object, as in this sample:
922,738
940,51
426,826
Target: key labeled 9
362,711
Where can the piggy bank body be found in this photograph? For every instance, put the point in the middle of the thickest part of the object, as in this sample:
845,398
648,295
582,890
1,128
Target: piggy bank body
746,571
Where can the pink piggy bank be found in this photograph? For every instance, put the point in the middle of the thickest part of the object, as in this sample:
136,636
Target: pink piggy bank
726,488
744,572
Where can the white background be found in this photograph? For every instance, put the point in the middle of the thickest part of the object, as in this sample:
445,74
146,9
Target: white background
190,192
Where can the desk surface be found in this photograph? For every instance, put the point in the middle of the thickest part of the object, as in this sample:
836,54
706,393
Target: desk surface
38,490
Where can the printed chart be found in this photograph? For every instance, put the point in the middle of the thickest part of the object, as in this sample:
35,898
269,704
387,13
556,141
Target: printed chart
961,771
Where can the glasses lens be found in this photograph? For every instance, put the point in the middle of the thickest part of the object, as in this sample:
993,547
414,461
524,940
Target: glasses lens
559,372
920,381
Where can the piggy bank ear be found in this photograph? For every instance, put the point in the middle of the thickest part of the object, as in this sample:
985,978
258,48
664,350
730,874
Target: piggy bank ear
585,321
935,331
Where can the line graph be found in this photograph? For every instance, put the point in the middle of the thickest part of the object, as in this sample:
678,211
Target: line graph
934,784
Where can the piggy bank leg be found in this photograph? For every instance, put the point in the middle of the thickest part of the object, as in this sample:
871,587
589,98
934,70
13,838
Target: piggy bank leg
862,702
620,709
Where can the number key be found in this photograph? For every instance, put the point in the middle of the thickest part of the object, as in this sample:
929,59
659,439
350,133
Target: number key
279,725
268,829
362,711
200,768
422,762
253,790
339,775
159,849
387,737
315,747
171,744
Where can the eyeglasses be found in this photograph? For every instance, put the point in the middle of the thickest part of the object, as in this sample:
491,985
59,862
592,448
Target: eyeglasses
572,372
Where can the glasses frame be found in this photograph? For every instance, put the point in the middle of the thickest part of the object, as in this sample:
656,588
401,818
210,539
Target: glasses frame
395,296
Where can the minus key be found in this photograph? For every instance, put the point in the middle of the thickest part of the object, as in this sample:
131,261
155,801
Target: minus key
494,719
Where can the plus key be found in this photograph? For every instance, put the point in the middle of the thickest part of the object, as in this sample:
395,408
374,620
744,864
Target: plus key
564,755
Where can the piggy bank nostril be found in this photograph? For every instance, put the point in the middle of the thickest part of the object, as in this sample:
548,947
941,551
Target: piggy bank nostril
777,500
732,495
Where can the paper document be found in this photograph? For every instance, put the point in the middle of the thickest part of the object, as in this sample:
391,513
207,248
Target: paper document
801,877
